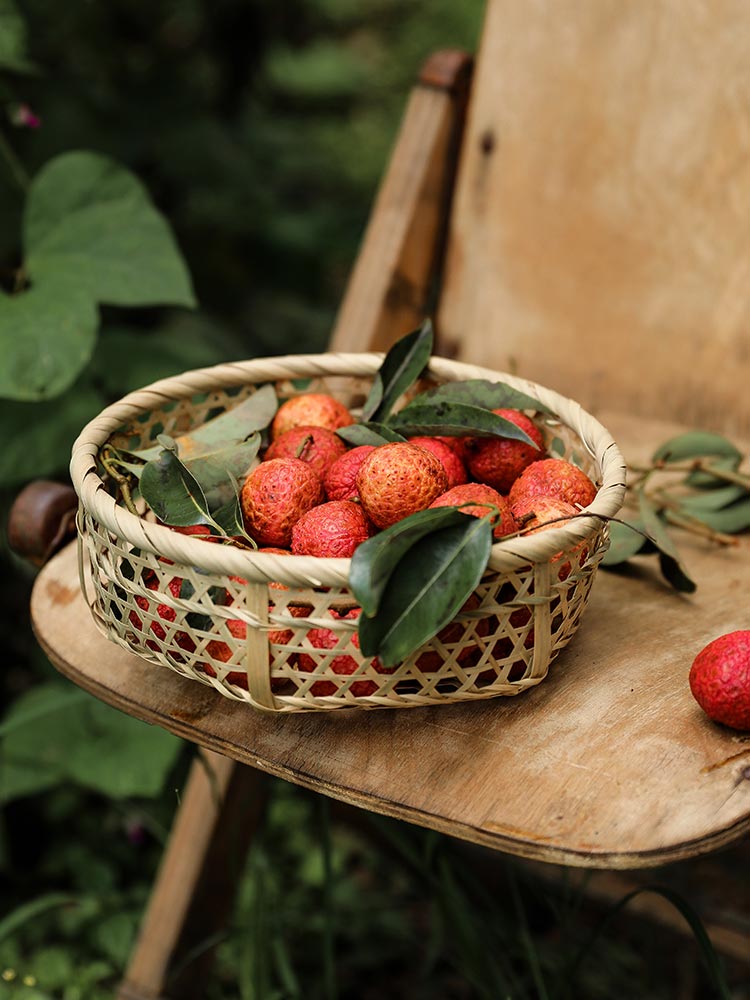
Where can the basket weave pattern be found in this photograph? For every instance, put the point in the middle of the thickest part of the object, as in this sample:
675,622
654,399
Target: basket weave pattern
251,623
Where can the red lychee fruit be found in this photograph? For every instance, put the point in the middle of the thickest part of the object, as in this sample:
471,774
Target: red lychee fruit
219,650
498,462
318,446
720,679
275,496
454,632
332,529
163,611
326,638
340,479
550,477
455,443
480,496
549,512
454,467
399,479
316,409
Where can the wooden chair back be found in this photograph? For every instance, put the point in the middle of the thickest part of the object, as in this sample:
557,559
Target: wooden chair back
599,240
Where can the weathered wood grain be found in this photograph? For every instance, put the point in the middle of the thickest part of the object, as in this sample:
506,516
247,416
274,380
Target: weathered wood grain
599,241
608,763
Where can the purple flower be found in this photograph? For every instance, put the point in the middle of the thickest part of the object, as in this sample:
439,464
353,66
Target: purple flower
22,116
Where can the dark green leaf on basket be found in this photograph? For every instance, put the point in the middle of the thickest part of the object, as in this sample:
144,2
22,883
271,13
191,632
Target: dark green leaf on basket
401,367
669,560
696,444
430,586
229,516
482,392
375,560
172,493
624,542
231,427
369,433
455,419
710,477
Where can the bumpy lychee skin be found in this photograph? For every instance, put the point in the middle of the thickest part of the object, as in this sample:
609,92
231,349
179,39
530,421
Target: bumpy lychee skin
318,446
332,530
326,638
399,479
549,512
550,477
275,496
720,679
498,462
480,495
454,466
315,409
340,479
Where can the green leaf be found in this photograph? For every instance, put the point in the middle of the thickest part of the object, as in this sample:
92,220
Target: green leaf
482,392
37,437
32,910
695,444
624,542
91,220
730,520
82,741
374,561
369,433
401,367
704,479
430,586
47,335
172,493
230,428
215,470
713,500
669,559
13,43
455,419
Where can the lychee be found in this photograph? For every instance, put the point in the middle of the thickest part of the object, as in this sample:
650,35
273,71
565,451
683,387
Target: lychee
550,477
498,462
340,479
482,499
399,479
454,466
720,679
318,446
315,409
163,611
345,664
332,529
549,512
274,497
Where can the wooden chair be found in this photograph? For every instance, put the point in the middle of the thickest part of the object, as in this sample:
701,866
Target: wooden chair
594,238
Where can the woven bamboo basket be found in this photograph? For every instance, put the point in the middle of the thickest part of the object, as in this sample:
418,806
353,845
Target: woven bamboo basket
245,628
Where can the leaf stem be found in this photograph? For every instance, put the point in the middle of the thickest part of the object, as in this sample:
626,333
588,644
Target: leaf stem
699,465
123,481
16,168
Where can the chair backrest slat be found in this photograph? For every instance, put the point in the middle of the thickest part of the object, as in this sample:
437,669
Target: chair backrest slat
600,236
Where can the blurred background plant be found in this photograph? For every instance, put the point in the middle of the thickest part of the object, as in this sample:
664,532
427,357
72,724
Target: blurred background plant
259,131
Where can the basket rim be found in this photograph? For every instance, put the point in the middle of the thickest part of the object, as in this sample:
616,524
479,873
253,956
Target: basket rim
506,555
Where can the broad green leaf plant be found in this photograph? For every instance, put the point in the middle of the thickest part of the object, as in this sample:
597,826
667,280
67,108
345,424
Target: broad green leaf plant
90,237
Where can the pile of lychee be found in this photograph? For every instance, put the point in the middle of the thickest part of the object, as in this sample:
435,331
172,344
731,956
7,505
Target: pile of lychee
313,494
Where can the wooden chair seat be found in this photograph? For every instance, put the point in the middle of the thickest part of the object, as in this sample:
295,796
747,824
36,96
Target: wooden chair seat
607,763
